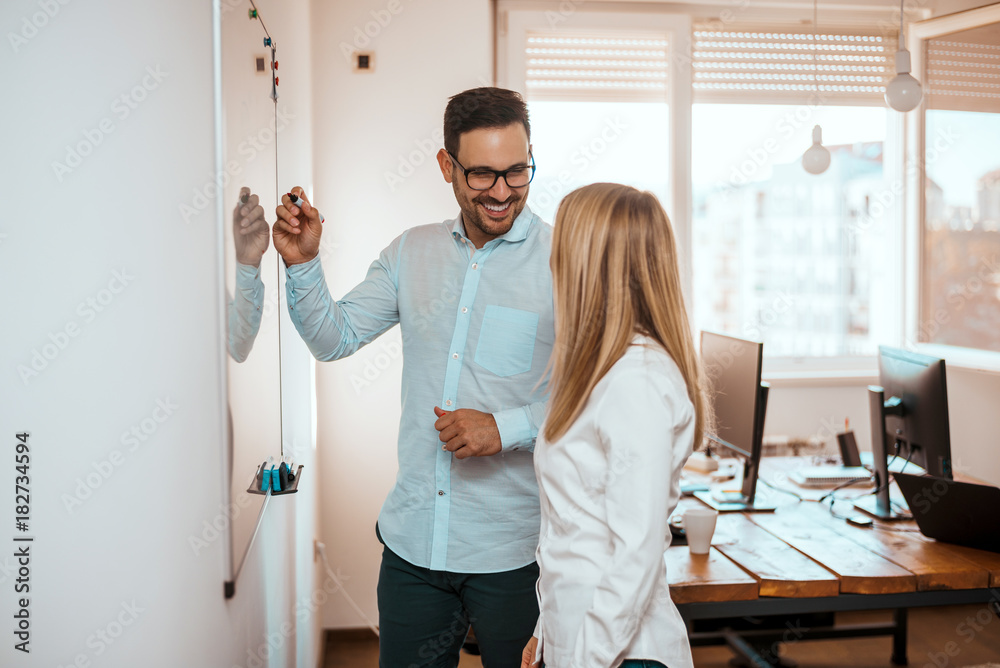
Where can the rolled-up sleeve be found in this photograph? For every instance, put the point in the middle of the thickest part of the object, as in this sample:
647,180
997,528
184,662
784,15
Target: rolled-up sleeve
336,329
519,426
245,311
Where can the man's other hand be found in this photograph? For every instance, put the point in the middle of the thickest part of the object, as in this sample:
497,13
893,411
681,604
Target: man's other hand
467,432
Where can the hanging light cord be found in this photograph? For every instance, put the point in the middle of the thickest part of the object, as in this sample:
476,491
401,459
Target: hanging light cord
901,41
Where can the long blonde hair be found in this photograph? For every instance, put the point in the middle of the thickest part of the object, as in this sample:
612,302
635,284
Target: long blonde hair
614,270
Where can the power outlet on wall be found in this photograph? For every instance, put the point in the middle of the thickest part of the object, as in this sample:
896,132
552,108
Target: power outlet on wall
364,61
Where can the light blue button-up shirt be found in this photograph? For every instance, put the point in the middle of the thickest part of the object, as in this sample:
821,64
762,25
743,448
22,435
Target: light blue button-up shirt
244,311
477,333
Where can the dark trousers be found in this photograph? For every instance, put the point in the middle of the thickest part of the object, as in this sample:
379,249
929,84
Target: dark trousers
424,615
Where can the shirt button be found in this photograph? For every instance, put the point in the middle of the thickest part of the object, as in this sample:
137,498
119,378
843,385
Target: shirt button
448,403
475,266
465,309
440,492
454,356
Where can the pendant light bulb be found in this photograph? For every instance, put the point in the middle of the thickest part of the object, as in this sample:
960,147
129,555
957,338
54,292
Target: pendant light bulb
904,92
817,157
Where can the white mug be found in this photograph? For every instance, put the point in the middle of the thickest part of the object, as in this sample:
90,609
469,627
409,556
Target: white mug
699,525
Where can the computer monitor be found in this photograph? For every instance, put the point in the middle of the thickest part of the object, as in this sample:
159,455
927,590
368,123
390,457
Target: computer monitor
739,403
916,409
909,420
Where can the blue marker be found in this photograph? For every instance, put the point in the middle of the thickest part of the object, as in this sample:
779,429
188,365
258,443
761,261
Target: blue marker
295,201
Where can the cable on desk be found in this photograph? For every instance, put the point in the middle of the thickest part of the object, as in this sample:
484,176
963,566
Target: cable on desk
784,491
834,500
888,480
841,486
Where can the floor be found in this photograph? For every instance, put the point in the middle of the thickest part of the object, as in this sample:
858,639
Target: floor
953,637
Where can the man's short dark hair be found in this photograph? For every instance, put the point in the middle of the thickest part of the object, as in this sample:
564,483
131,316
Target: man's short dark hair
479,108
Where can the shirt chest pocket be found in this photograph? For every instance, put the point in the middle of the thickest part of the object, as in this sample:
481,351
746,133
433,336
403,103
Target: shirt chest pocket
507,340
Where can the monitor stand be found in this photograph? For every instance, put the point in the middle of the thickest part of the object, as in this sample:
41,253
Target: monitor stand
879,505
745,500
882,511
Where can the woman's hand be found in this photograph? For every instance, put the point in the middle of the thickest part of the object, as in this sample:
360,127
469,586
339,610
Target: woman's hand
528,655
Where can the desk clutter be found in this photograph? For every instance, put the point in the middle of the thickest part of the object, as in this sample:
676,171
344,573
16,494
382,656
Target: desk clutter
276,479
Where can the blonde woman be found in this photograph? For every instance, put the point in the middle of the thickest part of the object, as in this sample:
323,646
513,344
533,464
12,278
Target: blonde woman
625,412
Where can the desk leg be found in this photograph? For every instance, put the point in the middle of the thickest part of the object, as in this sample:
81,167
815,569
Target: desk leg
899,638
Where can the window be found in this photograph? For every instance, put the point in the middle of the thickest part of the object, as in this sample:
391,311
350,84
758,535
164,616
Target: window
599,93
781,255
788,257
717,131
587,142
960,281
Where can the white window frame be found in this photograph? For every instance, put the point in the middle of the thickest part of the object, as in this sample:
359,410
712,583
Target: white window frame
920,32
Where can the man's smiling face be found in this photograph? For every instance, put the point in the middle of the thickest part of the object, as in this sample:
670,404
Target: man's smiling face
488,214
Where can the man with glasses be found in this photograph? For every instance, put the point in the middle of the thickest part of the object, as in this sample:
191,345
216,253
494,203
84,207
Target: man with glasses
473,298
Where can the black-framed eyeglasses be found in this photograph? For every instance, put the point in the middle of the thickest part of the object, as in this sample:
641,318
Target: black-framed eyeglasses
484,179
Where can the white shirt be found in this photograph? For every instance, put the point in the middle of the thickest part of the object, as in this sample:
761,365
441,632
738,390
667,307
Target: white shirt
607,489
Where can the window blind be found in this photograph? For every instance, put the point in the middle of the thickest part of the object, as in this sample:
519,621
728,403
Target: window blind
789,66
589,66
964,74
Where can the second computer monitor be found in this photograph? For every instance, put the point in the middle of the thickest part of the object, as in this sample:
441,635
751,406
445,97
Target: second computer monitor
739,401
732,369
916,409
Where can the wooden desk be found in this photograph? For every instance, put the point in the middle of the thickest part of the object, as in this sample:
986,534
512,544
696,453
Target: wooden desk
802,560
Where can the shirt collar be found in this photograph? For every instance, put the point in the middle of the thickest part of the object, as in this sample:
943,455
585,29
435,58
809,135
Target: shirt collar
517,232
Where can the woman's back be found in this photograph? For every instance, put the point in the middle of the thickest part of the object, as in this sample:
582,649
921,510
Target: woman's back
607,487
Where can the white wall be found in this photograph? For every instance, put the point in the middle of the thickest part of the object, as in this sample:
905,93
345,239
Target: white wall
368,125
156,339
